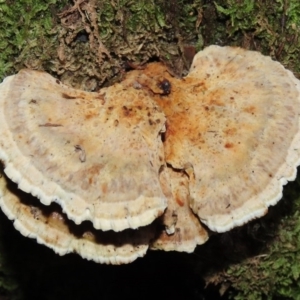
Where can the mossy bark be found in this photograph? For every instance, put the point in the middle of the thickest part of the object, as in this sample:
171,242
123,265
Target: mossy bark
88,44
91,39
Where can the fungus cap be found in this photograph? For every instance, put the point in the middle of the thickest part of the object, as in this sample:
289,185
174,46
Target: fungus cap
233,125
50,227
251,134
182,230
97,155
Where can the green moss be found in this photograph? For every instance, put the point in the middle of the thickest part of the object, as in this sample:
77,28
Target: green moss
275,270
36,36
268,26
26,34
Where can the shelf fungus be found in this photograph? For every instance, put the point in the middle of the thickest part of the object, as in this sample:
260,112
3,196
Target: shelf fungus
50,227
145,162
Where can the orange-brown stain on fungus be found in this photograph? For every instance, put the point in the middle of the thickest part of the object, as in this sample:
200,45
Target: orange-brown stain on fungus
216,102
179,201
67,96
127,112
89,116
230,131
250,109
229,145
104,188
101,98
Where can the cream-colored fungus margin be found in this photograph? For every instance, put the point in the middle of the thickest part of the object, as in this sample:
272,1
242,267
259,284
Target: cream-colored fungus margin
96,154
50,227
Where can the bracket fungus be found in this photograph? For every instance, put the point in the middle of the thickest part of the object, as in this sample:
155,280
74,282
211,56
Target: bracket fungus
145,162
95,154
52,228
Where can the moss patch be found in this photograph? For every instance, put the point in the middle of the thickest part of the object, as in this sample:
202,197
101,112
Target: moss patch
275,270
271,27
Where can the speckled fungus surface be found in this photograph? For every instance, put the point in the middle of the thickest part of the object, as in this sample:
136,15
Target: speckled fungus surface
233,125
214,147
95,154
